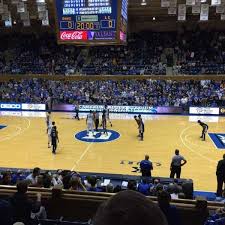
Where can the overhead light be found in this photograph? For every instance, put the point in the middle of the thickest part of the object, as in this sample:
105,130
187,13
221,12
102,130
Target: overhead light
153,18
143,2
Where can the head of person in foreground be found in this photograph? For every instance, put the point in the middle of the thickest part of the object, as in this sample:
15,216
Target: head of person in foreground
129,208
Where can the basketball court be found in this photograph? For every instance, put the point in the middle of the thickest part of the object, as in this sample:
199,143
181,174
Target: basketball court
23,144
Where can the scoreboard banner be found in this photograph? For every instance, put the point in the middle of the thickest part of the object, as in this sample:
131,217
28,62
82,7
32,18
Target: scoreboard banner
11,106
120,109
22,106
204,110
37,107
87,22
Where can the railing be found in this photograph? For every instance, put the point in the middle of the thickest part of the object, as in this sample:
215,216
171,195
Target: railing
6,190
7,77
82,206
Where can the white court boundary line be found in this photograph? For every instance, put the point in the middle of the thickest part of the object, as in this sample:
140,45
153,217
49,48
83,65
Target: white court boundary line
17,133
186,139
191,149
14,134
82,156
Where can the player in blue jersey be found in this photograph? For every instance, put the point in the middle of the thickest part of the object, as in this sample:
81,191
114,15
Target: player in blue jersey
54,137
104,122
205,128
141,128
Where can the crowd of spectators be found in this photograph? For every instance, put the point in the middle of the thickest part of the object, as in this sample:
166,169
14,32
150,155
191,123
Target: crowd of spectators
70,180
19,207
23,210
126,92
188,52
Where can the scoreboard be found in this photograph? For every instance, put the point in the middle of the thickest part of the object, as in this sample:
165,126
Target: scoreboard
91,22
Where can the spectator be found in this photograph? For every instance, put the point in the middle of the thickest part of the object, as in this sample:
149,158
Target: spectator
110,188
21,205
128,92
169,211
47,180
132,185
33,177
144,187
173,191
76,184
57,179
156,187
39,181
146,167
129,207
18,177
5,212
187,189
38,213
93,185
66,180
220,173
6,179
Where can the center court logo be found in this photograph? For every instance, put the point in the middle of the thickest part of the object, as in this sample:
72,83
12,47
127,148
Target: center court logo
97,137
2,126
218,139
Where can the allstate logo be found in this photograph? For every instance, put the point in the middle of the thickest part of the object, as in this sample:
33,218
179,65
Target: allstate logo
97,137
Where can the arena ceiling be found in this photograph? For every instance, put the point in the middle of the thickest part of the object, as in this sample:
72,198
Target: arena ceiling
140,16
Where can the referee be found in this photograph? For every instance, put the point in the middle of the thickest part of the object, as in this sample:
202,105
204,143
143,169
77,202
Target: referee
177,162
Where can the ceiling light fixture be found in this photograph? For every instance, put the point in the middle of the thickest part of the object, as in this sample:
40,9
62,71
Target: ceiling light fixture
143,2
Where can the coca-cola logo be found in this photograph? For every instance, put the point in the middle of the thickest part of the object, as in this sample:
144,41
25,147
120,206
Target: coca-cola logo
73,35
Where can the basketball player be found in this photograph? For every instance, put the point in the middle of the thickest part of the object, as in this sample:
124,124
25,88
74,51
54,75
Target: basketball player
48,103
48,119
96,118
49,130
141,128
54,137
205,128
76,109
90,123
137,121
107,115
104,122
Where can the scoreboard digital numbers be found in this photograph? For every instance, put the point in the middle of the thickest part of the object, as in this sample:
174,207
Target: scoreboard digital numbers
91,22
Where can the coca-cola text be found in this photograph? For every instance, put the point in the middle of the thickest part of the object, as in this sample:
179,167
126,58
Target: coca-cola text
73,35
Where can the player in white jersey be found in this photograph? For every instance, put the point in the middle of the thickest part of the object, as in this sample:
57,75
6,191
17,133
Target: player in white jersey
49,131
107,115
48,119
49,128
90,122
